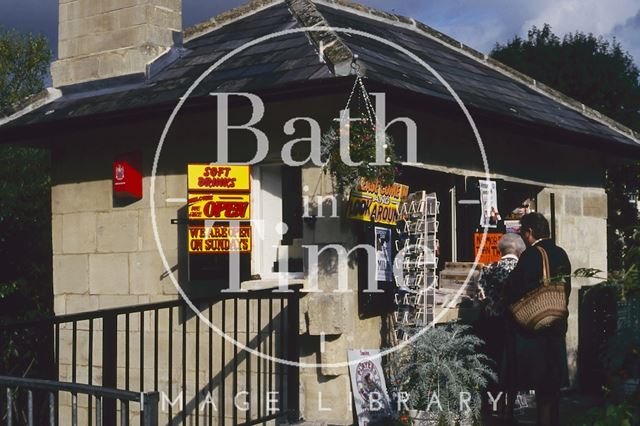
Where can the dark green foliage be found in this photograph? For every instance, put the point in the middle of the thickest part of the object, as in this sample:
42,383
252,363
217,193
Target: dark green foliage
600,74
362,148
24,61
609,415
25,211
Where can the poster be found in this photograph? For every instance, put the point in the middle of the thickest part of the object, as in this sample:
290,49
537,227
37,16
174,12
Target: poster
384,259
490,251
372,202
489,204
368,388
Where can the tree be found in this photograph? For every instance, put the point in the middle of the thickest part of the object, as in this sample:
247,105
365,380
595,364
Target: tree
25,203
598,73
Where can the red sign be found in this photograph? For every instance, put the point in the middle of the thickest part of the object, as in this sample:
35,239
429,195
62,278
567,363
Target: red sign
490,251
127,175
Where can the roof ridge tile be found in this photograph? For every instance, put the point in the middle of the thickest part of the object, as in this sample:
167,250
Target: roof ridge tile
338,55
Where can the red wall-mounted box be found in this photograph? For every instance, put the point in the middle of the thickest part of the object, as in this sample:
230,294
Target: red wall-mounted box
127,175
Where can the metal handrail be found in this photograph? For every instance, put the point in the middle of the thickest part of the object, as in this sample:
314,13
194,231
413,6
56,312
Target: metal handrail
148,400
99,313
109,327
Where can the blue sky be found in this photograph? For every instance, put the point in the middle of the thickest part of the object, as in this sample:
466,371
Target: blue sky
478,23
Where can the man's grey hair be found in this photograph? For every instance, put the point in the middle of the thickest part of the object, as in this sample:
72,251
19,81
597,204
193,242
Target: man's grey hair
511,244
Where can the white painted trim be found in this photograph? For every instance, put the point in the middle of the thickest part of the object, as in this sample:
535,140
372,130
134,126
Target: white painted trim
481,174
52,95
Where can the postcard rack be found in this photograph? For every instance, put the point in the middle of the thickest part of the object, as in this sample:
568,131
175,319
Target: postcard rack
417,241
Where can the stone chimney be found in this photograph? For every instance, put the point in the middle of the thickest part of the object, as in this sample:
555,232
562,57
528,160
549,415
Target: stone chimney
100,39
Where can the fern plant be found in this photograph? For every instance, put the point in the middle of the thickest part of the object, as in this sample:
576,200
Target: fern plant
443,367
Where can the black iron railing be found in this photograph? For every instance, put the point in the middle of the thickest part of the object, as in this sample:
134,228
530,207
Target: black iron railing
17,388
196,371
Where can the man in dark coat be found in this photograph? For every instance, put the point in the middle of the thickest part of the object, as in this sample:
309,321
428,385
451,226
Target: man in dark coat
537,360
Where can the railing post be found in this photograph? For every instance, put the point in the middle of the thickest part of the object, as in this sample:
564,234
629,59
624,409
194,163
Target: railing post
293,377
109,365
150,408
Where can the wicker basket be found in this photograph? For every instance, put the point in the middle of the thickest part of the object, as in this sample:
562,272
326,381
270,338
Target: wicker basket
544,306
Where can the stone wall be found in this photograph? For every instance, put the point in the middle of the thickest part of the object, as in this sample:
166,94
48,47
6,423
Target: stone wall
331,323
106,256
107,38
581,229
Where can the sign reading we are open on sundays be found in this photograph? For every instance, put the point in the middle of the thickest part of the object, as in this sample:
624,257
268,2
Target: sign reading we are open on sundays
219,193
220,239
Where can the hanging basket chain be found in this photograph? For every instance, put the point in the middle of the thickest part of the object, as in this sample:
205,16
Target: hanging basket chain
363,135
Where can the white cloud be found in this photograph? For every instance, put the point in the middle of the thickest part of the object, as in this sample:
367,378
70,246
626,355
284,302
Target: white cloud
590,16
482,23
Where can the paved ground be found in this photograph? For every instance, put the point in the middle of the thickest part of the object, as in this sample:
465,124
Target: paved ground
572,406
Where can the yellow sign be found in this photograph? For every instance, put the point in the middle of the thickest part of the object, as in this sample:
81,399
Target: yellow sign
218,178
219,206
219,239
372,202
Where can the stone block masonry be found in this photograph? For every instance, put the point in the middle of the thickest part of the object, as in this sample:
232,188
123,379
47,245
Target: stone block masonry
581,229
108,38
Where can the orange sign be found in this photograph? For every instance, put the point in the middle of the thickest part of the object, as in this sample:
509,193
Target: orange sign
219,206
490,251
219,239
218,178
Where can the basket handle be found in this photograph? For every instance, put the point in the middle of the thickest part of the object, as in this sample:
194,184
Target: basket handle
546,276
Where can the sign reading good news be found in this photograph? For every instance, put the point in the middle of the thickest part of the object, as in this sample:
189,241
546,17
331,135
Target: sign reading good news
372,202
218,192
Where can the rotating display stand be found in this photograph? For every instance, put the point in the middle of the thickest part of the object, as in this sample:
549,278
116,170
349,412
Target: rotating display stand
417,230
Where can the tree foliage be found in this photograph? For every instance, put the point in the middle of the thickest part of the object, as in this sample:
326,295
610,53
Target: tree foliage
25,205
24,62
600,74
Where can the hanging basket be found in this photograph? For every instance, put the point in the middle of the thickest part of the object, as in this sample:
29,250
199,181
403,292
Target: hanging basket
361,148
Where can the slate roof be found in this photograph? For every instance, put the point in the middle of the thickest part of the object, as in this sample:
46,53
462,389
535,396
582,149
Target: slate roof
480,82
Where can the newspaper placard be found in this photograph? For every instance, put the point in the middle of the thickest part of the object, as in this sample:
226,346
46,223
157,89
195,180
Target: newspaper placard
384,259
489,204
490,251
368,387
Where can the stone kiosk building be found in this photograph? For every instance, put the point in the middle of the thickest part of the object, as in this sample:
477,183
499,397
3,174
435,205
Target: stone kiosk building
124,65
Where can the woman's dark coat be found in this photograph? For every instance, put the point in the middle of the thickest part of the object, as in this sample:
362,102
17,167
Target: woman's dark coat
536,360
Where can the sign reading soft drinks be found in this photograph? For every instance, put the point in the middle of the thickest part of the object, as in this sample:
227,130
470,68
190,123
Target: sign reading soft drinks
372,202
218,192
219,178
